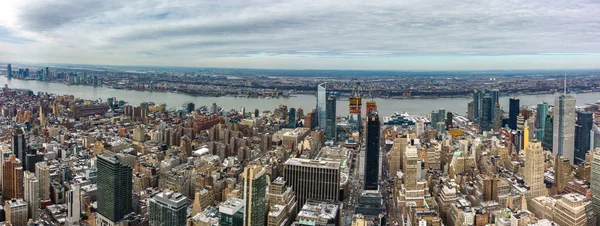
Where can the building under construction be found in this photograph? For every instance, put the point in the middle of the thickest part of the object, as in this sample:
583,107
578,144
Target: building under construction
355,109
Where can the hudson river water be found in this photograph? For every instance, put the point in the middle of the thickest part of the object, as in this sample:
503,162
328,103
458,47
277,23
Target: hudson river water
385,107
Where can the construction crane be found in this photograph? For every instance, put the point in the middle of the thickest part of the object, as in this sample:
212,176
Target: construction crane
91,218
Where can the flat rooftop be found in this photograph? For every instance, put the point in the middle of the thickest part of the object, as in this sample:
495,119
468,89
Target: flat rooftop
312,163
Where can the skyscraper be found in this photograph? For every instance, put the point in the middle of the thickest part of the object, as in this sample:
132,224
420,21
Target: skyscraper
74,204
540,119
19,144
331,122
255,191
397,154
167,208
487,108
292,118
513,112
534,169
584,124
321,105
42,172
9,69
495,95
548,133
312,179
372,154
12,179
563,138
114,189
476,105
16,212
32,195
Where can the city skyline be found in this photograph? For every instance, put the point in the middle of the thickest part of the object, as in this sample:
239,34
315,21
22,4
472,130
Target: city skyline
439,35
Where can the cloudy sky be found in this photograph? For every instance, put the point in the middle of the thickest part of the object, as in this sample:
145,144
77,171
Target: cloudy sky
334,34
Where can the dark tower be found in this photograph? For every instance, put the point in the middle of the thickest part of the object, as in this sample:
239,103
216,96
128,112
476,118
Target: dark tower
513,112
372,152
583,126
485,123
114,187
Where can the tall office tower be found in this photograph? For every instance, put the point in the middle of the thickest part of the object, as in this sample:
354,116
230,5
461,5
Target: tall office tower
372,157
540,120
355,108
584,124
322,105
312,179
32,195
12,179
434,116
74,204
497,123
9,69
114,189
255,190
476,105
442,115
292,118
16,212
563,138
485,124
42,172
19,144
396,154
534,169
595,182
410,168
256,113
331,123
548,133
167,208
513,112
495,95
449,118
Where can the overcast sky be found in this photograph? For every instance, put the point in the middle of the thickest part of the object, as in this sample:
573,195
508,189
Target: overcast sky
335,34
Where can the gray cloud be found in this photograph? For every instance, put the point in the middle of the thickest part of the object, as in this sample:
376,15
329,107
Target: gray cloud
187,31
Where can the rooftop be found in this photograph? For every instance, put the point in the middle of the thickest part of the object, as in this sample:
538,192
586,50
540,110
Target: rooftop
312,163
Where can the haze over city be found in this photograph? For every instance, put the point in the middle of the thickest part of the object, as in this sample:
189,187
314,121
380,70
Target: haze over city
372,35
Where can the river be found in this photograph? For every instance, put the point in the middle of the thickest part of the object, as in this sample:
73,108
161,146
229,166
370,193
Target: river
385,107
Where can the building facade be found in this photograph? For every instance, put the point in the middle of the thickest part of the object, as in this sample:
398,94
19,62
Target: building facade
563,138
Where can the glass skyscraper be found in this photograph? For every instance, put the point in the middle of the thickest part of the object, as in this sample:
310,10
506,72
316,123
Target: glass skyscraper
255,185
321,105
584,124
167,208
563,137
487,108
540,119
114,187
513,112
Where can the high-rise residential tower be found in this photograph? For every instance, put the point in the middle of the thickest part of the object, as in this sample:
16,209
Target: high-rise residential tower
114,189
595,182
563,138
372,155
255,190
